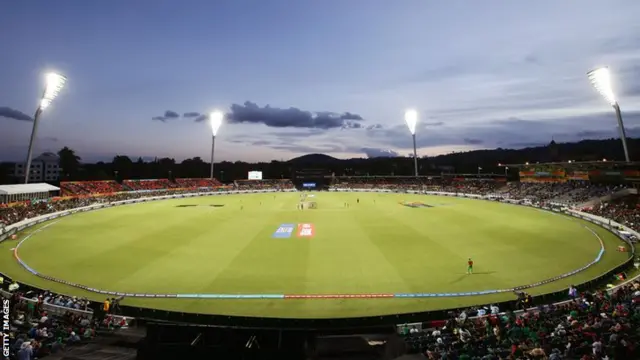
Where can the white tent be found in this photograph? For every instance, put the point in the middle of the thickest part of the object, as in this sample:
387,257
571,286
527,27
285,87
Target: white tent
22,192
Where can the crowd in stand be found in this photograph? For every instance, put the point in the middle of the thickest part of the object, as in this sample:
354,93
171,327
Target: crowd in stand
35,332
453,185
592,326
151,184
569,193
277,184
75,188
90,187
625,211
197,183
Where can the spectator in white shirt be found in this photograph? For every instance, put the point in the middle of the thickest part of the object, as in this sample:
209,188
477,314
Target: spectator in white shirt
495,310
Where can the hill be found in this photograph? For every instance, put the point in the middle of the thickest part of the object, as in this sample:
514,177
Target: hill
316,159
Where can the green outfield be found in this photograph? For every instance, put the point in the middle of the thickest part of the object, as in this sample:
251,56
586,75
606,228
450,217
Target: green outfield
225,244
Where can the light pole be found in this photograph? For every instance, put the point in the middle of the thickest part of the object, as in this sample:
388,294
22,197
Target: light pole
216,120
601,80
411,118
53,84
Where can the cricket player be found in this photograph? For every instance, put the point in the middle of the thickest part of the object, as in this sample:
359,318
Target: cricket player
470,266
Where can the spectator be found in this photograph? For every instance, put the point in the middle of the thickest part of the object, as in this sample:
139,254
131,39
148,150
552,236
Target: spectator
594,325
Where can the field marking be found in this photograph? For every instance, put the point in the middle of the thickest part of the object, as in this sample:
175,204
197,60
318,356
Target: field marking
307,296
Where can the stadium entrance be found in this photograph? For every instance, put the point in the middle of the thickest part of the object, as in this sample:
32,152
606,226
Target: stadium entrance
312,179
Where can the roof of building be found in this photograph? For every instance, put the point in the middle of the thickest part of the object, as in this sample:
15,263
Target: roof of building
47,156
26,188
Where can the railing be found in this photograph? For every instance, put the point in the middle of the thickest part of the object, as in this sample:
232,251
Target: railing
57,309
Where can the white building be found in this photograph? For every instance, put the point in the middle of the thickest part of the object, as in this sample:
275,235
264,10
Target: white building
45,167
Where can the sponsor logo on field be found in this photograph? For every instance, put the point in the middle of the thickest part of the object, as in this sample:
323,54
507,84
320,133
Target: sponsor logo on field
306,230
415,204
284,231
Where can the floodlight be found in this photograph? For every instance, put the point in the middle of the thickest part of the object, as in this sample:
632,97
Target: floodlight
54,82
215,119
411,118
601,80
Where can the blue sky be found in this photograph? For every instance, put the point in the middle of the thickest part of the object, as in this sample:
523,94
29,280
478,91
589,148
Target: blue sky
330,76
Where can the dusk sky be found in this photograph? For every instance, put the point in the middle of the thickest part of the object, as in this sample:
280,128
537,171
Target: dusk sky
298,77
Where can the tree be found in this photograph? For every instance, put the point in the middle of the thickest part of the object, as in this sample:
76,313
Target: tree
123,165
69,162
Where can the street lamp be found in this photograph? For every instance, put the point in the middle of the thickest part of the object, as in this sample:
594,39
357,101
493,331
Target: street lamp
53,84
411,118
215,119
601,80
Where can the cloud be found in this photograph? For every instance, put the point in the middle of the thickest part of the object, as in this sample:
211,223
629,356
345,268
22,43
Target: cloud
286,135
351,125
201,118
377,153
171,114
308,149
192,114
14,114
261,143
350,116
168,115
471,141
292,117
435,123
374,127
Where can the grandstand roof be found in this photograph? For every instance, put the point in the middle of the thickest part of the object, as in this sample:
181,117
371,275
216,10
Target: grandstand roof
27,188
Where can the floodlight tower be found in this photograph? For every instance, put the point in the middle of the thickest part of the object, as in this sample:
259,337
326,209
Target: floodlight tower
53,84
215,119
601,80
411,118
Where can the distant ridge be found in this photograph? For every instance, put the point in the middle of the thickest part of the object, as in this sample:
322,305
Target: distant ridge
584,150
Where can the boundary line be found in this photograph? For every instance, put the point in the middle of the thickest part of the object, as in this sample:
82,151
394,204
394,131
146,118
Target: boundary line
300,296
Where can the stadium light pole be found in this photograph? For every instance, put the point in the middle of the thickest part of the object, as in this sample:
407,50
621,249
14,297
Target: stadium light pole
53,84
215,119
411,118
601,80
